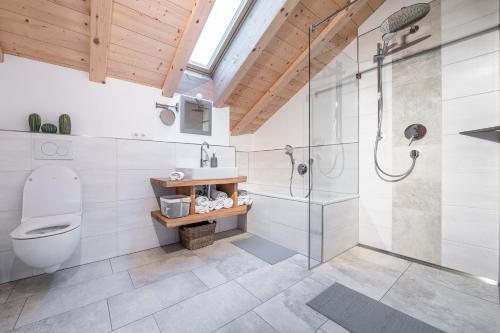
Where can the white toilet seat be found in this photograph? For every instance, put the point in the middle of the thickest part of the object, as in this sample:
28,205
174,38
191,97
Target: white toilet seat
38,227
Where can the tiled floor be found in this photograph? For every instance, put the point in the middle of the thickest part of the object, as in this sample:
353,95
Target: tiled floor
222,288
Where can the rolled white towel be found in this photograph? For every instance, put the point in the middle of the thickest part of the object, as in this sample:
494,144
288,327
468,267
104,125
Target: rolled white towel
176,175
202,201
244,200
219,204
201,209
242,192
228,203
214,194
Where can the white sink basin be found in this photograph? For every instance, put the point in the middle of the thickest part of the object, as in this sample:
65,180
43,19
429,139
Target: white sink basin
208,173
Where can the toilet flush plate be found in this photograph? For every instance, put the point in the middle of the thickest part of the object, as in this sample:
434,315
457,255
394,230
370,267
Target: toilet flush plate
52,149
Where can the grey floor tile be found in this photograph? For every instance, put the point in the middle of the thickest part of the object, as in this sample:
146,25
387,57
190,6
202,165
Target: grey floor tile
231,235
271,280
208,311
332,327
225,262
300,260
138,303
56,301
62,278
164,268
288,311
5,290
442,307
249,323
145,257
9,312
464,284
366,271
146,325
90,318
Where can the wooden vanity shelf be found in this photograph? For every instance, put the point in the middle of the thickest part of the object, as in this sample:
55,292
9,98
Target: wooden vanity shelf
187,187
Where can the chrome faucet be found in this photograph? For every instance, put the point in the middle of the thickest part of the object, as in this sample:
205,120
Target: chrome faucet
204,160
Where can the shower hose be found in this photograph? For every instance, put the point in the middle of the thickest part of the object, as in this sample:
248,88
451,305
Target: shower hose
385,176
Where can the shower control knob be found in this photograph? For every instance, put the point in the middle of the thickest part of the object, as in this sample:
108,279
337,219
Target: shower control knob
414,153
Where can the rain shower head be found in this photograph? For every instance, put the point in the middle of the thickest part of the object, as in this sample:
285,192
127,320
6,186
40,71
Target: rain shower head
404,17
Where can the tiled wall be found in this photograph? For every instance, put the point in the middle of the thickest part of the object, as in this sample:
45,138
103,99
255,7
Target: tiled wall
335,168
117,195
470,192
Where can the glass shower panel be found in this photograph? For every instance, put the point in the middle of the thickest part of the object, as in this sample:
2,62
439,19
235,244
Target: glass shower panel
333,142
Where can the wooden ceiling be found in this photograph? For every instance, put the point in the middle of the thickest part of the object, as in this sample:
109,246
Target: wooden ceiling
143,41
280,69
150,41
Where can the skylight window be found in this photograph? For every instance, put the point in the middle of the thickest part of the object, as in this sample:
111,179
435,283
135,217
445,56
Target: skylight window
218,30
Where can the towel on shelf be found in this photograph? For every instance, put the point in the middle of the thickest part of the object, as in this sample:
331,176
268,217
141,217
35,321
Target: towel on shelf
214,194
242,193
176,175
216,204
244,200
202,201
228,203
201,209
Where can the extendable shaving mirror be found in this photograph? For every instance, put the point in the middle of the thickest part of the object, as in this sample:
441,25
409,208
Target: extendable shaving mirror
167,116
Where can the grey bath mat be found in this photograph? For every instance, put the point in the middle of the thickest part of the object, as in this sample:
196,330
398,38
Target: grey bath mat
270,252
361,314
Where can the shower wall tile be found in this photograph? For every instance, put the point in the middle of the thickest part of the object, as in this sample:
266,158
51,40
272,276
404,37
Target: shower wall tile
242,163
472,226
476,260
467,189
484,43
471,112
375,235
467,154
472,76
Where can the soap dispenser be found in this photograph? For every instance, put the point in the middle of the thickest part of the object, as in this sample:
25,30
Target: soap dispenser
213,161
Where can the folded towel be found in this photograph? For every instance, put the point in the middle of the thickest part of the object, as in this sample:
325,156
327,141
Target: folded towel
228,203
244,200
216,204
176,175
214,194
202,201
201,209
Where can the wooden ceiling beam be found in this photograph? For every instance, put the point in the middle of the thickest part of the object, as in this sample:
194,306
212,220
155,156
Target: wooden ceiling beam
300,64
253,38
192,32
100,31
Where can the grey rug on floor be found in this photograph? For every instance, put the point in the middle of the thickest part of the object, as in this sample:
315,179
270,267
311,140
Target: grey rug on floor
270,252
358,313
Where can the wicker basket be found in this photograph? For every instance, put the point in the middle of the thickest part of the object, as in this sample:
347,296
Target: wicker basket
196,236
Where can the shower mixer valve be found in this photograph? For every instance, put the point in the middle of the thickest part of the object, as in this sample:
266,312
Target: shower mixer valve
415,132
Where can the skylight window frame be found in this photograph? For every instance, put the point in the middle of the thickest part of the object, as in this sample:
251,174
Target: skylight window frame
226,40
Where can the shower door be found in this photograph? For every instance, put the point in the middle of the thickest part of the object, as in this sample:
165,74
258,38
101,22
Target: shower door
333,144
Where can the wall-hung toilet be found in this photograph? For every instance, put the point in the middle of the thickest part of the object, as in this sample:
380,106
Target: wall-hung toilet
51,218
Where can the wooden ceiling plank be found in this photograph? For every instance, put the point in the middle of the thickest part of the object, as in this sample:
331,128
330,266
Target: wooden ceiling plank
42,31
81,6
334,26
265,19
100,35
145,25
139,43
138,59
49,12
192,32
134,74
168,13
41,51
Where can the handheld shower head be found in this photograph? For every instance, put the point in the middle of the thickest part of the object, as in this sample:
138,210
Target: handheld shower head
289,152
404,17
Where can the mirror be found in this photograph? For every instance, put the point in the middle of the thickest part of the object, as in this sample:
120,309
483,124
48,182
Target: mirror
196,116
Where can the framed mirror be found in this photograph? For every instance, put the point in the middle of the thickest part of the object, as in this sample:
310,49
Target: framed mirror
196,116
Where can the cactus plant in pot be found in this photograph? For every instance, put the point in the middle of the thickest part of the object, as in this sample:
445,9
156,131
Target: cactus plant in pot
34,121
64,124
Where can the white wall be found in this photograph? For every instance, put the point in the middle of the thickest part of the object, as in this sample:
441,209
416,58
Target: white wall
115,109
